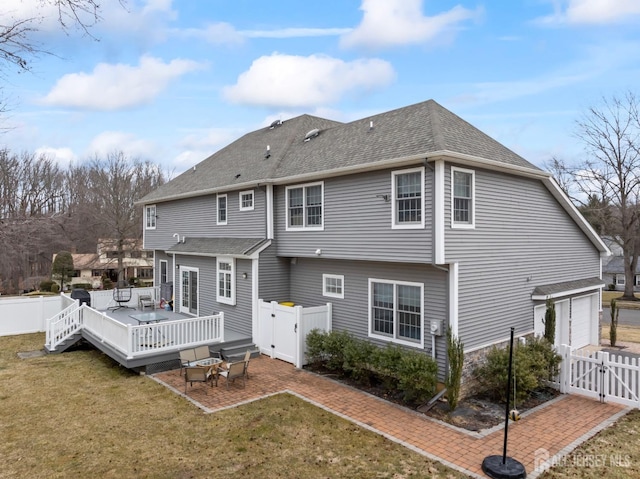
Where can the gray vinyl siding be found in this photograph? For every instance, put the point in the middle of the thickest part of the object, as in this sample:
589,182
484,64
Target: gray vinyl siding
274,276
352,312
196,217
238,317
522,238
357,222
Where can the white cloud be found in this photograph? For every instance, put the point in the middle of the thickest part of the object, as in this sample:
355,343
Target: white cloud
592,12
296,32
391,23
62,156
290,81
215,33
113,87
109,141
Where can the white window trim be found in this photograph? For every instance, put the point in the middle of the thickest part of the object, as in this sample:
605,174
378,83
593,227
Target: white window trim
286,212
620,277
472,213
406,226
224,299
329,293
253,200
218,197
147,216
372,334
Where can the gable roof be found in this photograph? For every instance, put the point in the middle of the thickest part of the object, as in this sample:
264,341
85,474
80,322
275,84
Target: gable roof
566,288
419,131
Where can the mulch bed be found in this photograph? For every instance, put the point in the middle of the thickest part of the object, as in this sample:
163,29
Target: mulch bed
473,413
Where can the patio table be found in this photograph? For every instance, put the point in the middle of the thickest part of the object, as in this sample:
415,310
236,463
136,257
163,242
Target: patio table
148,318
211,364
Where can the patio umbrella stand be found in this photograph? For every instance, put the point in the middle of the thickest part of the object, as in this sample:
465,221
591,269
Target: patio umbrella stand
503,467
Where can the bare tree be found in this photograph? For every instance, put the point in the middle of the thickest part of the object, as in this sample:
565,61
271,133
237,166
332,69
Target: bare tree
611,173
116,183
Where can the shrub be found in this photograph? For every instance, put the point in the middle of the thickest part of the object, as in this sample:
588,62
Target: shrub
550,321
533,364
414,374
316,346
82,286
453,381
417,376
613,327
46,285
55,288
107,283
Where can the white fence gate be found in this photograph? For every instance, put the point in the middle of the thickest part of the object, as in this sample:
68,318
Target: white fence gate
600,375
284,329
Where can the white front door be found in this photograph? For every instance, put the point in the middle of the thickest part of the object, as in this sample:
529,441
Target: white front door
189,290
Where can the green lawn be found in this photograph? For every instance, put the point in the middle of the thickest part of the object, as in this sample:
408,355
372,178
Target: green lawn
78,414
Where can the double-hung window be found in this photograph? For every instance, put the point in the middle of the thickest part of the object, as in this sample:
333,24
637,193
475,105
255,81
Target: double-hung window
150,217
333,285
396,311
407,188
246,200
222,210
226,291
305,207
462,198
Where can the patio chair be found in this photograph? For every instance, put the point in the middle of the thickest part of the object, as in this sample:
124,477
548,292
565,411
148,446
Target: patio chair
146,301
232,372
186,356
195,375
247,358
121,295
202,352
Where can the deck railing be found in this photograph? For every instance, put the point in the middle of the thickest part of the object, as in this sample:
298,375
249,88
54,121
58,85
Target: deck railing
149,339
64,324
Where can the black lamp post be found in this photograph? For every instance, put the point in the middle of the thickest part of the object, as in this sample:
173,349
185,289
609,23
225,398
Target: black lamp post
504,467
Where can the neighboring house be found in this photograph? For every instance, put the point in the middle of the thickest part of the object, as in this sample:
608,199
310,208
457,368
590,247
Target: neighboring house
613,274
410,222
90,268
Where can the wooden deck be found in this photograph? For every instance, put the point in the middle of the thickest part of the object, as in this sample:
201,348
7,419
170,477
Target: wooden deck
142,347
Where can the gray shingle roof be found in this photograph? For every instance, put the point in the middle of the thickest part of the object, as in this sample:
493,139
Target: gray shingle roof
557,288
218,246
616,265
415,130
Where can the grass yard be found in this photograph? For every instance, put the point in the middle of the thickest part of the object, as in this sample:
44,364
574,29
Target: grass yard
612,453
79,414
629,334
607,296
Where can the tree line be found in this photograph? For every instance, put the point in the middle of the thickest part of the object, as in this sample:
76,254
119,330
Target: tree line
46,208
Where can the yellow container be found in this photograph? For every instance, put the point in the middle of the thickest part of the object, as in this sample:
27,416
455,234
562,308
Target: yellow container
287,303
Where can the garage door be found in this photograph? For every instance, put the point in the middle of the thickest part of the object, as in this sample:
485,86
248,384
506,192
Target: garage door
582,317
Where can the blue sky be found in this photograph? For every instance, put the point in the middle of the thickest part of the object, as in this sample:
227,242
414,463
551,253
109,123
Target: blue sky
174,81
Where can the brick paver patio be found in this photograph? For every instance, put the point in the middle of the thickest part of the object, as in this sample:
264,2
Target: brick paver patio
555,428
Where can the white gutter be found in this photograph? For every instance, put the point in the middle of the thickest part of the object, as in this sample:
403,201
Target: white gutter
460,158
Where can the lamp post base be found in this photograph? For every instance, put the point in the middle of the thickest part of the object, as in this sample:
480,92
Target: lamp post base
493,467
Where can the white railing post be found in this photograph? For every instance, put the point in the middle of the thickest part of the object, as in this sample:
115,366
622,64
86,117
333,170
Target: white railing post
221,326
298,328
129,342
329,317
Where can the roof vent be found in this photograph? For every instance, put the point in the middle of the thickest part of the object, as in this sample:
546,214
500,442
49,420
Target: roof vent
275,124
311,134
268,152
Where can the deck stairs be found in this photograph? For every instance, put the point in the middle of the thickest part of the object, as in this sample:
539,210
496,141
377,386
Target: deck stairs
69,341
235,352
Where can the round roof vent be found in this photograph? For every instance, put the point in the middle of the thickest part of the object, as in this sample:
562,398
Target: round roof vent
275,124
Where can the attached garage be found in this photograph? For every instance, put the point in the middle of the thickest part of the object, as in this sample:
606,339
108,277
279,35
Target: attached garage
584,314
577,311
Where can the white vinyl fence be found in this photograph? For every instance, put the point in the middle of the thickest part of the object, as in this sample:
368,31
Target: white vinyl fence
600,375
284,329
29,314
